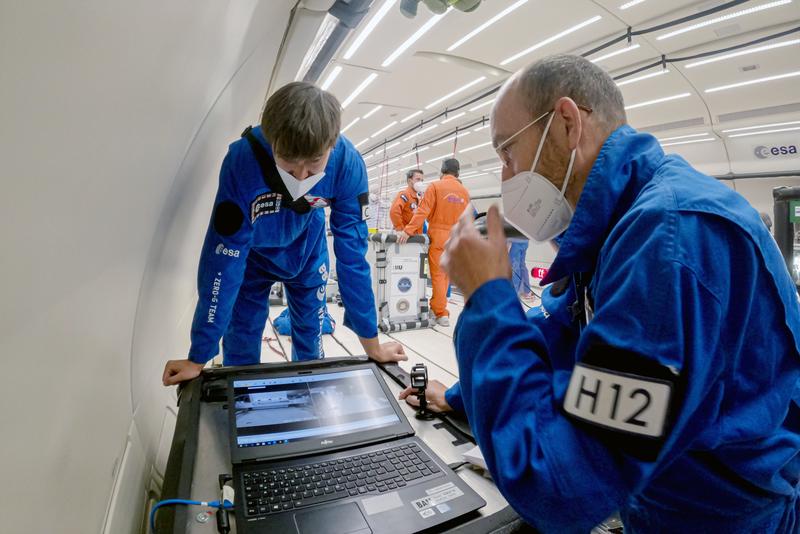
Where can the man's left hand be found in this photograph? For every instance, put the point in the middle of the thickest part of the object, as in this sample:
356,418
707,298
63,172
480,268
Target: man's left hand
470,260
402,237
389,352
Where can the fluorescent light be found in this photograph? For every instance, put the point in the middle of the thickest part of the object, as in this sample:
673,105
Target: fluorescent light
474,175
375,109
368,80
742,53
642,77
479,106
384,129
690,141
632,3
448,155
683,136
451,138
361,142
766,132
414,166
417,151
413,39
351,124
486,24
751,82
723,18
551,39
616,52
365,158
454,117
771,125
657,101
332,76
384,9
453,93
479,128
411,116
323,33
473,147
422,131
392,145
393,160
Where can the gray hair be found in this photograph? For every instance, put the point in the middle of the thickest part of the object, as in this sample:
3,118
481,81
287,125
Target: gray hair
542,83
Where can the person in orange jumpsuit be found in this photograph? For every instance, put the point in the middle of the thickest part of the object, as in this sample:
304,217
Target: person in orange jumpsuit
442,205
406,201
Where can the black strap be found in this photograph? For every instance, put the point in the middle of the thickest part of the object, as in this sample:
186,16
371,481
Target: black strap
269,172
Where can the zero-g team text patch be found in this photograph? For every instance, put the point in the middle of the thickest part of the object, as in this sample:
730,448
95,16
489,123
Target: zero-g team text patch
620,401
264,205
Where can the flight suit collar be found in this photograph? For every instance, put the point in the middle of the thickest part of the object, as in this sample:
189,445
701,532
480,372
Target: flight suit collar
626,163
411,192
448,177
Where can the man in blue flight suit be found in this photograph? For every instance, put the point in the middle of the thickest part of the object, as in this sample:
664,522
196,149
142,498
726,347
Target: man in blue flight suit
679,402
268,226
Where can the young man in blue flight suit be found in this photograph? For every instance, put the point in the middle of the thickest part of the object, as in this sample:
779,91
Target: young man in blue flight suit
268,226
679,404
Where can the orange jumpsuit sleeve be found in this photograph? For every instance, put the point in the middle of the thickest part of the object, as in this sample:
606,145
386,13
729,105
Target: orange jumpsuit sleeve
396,212
426,206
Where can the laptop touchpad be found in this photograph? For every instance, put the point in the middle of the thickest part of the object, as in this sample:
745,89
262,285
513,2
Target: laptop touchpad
344,519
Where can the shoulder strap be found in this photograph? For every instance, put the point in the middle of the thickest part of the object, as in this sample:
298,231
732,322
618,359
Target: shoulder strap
269,174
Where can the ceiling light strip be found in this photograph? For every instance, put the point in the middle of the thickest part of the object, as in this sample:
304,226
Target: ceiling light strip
422,131
683,136
752,82
632,3
384,9
474,147
616,53
551,39
371,113
413,39
331,77
350,125
657,101
486,24
742,53
642,77
454,117
479,106
411,116
451,138
453,93
771,125
723,18
368,80
383,129
689,141
765,132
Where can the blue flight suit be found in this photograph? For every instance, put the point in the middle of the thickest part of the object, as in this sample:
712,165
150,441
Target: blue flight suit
690,321
253,242
520,276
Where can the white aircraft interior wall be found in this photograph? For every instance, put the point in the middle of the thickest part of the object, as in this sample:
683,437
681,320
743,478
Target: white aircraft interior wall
116,116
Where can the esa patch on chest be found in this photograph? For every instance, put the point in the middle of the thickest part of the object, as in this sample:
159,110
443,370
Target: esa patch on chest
264,205
622,402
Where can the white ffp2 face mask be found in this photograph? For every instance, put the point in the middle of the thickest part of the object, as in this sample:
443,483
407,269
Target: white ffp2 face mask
298,188
532,204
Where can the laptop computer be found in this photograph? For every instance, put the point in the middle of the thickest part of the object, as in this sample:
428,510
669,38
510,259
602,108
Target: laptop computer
328,450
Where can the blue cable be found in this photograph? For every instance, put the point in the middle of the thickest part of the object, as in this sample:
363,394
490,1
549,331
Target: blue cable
213,504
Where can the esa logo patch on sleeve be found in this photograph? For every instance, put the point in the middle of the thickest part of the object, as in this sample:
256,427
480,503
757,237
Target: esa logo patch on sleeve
623,402
264,205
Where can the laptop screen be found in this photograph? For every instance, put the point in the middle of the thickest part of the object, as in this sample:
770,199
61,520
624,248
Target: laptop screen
290,409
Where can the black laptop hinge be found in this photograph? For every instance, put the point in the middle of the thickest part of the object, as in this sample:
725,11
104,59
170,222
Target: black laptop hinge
270,175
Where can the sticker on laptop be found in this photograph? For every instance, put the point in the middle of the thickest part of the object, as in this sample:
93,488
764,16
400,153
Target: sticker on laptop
426,513
438,495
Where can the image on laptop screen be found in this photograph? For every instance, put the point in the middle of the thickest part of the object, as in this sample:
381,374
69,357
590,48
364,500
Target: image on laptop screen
281,410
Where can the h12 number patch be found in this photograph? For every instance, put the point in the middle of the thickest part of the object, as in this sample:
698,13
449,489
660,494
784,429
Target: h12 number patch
624,402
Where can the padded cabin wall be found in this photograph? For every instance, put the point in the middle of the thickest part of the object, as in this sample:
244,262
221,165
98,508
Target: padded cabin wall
100,102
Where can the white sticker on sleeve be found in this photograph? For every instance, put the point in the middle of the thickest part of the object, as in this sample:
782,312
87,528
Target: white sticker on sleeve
625,402
365,212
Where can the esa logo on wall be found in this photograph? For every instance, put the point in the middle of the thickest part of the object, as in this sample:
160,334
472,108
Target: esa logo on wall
776,151
404,284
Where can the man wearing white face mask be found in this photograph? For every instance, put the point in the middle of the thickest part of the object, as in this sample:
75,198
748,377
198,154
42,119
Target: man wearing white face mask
268,226
407,201
669,389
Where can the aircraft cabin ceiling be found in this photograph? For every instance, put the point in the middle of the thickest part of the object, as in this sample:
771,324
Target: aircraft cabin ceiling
407,85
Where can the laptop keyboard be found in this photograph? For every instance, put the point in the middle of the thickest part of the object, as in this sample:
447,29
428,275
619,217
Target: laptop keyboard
277,490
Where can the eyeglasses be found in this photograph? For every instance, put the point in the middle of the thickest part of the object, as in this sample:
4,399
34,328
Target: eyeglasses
503,149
